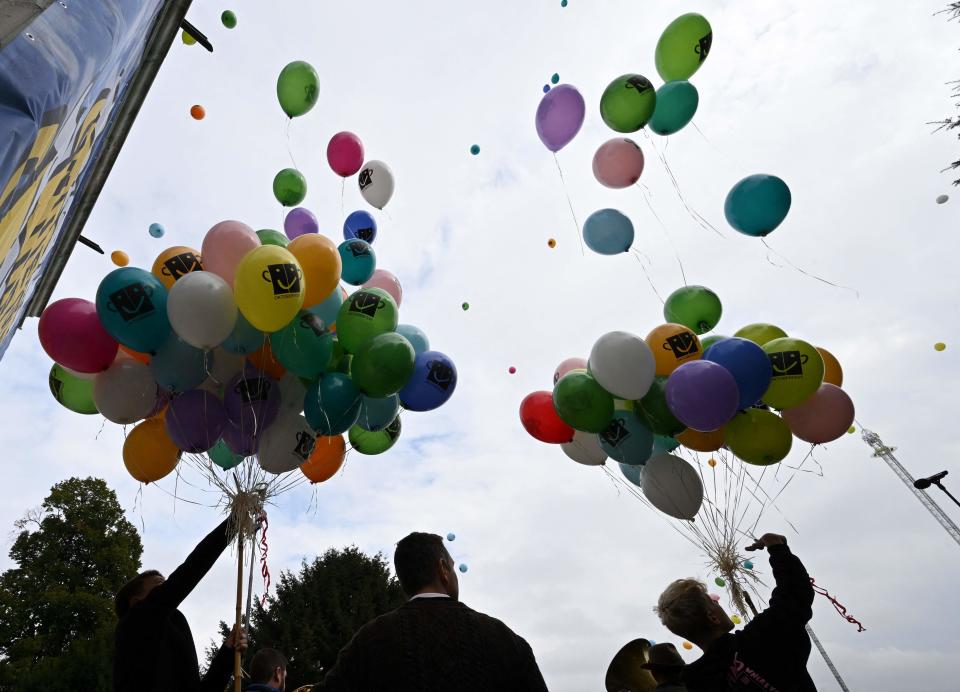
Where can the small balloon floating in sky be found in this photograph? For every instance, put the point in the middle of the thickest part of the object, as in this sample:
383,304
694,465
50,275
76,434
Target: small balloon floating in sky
451,536
941,199
228,19
546,88
719,582
735,619
939,346
156,230
551,243
512,370
119,258
463,568
748,565
187,39
465,306
852,429
555,79
563,3
711,463
686,645
475,149
197,112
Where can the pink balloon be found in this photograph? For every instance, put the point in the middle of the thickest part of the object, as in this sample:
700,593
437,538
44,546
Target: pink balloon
568,365
345,154
618,163
71,334
824,417
225,245
388,282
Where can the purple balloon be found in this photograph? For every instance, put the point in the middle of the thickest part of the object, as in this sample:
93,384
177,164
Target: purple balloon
252,401
195,421
239,441
560,116
163,398
300,221
702,395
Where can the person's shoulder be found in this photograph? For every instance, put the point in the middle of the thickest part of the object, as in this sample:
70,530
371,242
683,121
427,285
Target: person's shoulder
493,625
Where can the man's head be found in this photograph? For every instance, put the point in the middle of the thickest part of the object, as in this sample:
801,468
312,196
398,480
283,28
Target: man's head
269,667
423,565
136,590
686,609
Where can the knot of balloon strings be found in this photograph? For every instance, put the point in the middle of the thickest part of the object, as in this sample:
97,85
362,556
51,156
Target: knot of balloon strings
840,608
264,568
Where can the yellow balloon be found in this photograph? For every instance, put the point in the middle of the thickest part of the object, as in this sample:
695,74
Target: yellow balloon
120,258
148,452
269,287
320,260
939,346
687,646
735,619
852,429
187,39
672,346
174,262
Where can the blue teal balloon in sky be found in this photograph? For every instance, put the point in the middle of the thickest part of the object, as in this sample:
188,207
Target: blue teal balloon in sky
608,232
757,204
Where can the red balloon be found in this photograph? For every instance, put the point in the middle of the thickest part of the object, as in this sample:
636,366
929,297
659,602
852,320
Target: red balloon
345,154
71,334
540,419
824,417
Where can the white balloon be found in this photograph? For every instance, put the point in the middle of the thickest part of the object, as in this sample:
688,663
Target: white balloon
673,486
585,448
286,444
942,198
125,392
623,364
225,364
376,183
292,393
201,309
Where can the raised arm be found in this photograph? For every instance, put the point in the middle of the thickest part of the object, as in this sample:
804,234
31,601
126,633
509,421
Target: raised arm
181,582
792,597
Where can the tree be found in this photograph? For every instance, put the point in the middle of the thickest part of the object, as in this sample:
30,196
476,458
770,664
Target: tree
952,10
56,605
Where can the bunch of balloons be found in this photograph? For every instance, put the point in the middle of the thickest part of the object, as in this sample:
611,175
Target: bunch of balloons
248,346
635,400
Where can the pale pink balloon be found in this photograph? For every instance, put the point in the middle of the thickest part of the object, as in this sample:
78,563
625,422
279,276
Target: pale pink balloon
618,163
225,245
388,282
824,417
568,365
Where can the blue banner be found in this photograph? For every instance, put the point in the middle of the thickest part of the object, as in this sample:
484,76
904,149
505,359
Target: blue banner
61,80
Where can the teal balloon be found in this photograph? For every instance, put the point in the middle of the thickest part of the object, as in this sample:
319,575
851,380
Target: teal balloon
608,232
377,414
223,456
268,236
332,404
757,204
178,366
634,474
245,338
304,346
328,308
358,261
663,444
676,105
627,439
132,307
416,336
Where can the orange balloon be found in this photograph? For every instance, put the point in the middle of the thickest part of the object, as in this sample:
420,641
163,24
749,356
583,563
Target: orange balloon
136,355
264,361
701,441
320,260
120,258
197,112
148,452
326,459
672,346
712,462
174,262
687,646
832,372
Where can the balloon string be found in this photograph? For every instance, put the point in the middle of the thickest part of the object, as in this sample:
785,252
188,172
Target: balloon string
569,202
840,608
663,227
343,185
264,568
806,273
289,150
636,254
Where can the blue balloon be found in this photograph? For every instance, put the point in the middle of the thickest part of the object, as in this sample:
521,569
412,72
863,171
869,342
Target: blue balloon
377,414
132,307
362,225
627,440
463,568
415,336
757,204
156,230
663,444
451,537
328,308
608,232
245,338
632,473
178,366
332,404
358,260
748,363
433,381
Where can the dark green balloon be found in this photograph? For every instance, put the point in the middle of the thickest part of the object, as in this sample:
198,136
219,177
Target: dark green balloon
289,187
676,105
695,307
229,19
297,88
582,403
304,346
223,456
653,407
363,315
383,365
72,392
270,237
378,442
628,102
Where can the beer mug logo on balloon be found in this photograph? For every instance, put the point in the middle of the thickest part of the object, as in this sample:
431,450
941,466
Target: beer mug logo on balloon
252,389
285,279
616,432
366,178
682,345
180,265
365,234
788,363
359,249
704,48
312,322
440,374
365,303
132,302
393,430
305,444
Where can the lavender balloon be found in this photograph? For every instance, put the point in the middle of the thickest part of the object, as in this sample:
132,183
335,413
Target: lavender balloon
702,395
195,421
300,221
240,442
252,401
560,116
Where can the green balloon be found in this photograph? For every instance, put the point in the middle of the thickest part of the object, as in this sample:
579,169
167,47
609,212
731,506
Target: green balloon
297,88
653,407
271,237
378,442
758,437
72,392
304,346
797,372
363,315
223,456
708,341
383,365
695,307
760,333
229,19
683,47
582,403
289,187
676,105
628,102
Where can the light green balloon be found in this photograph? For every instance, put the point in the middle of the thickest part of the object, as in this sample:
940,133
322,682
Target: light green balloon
797,372
270,237
363,315
683,47
223,456
628,102
297,88
378,442
676,105
758,437
695,307
71,392
760,333
289,187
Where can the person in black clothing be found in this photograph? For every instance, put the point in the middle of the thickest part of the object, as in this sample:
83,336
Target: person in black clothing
433,643
770,653
154,645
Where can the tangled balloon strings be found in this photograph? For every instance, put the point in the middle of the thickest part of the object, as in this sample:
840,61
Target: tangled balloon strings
569,203
646,198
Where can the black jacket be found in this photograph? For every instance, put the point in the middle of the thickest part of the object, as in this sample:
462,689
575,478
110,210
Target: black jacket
771,652
154,645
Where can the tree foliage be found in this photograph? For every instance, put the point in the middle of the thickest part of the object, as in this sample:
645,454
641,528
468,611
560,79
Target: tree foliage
952,10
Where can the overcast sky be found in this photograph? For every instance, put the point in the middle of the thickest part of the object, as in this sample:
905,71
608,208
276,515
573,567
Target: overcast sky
833,97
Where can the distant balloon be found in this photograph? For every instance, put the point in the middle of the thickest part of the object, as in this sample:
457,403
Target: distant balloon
851,430
555,79
451,537
546,88
465,306
939,346
719,582
119,258
463,568
560,116
563,3
512,370
748,565
941,199
475,149
551,243
228,19
608,232
197,112
757,204
735,619
187,39
711,463
687,646
156,230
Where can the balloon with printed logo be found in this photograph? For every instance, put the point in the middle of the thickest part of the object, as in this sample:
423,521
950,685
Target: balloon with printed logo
758,437
125,392
365,314
289,187
252,401
375,442
386,281
823,417
653,407
175,262
560,116
683,47
241,442
627,439
677,103
178,366
71,391
376,183
318,257
701,441
432,383
673,486
244,338
345,154
618,163
582,403
416,336
287,444
201,309
300,221
672,346
225,245
797,372
628,102
269,287
71,333
360,225
622,364
540,419
148,452
332,404
224,457
358,260
326,459
568,365
757,204
702,395
608,232
832,371
760,333
195,421
268,236
132,307
304,346
585,449
298,87
383,365
747,362
378,413
695,307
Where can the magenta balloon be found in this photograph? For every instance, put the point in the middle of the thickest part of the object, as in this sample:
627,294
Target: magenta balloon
388,282
345,154
300,221
618,163
225,245
568,365
195,421
560,116
824,417
71,334
702,395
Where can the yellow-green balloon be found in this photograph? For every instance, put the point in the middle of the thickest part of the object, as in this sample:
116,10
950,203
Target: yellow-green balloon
374,442
683,47
760,333
797,372
758,437
297,88
628,102
72,392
